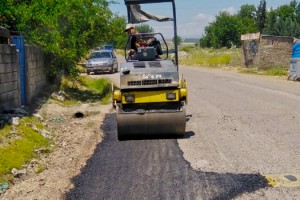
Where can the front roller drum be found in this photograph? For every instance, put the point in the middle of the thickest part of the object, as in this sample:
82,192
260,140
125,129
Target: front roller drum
151,124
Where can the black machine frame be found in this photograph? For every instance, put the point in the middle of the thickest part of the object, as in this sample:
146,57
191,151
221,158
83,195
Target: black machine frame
133,2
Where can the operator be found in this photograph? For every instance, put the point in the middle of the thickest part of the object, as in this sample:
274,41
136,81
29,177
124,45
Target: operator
130,29
135,43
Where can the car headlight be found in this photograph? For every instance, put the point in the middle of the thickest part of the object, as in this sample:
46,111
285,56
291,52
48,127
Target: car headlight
88,64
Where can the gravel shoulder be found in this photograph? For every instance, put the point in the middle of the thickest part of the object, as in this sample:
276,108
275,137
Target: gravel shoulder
74,142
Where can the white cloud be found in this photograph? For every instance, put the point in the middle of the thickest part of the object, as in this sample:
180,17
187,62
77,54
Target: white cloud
230,10
195,27
204,17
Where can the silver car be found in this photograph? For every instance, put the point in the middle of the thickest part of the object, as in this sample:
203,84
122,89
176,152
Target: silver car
102,61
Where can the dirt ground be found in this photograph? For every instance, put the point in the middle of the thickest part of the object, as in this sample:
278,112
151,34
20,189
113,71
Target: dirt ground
74,141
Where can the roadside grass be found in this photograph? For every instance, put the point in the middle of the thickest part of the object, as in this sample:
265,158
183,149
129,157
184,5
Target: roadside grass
230,58
120,52
80,69
210,57
85,89
17,145
277,71
272,71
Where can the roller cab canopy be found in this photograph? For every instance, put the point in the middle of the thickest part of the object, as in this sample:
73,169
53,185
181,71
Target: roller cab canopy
136,15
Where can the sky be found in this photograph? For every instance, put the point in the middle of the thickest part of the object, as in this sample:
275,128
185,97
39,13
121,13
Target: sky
192,15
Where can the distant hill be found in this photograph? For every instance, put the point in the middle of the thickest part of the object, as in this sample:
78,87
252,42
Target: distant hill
190,40
186,40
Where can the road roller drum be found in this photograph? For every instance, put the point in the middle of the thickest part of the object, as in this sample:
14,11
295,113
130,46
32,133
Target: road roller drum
150,124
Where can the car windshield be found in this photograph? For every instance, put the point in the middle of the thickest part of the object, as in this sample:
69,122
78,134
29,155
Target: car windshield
108,47
100,55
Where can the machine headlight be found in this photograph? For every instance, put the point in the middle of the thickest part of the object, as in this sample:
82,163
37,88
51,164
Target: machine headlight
117,95
129,98
171,96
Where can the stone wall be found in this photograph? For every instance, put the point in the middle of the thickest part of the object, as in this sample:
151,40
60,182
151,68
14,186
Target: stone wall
267,51
9,77
274,52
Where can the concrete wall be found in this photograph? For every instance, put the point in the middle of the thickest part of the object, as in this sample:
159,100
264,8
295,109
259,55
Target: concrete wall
9,77
36,79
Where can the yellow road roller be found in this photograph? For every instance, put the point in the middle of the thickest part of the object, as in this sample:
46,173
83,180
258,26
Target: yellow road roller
152,97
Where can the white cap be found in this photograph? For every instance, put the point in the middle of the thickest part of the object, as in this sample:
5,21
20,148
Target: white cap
129,26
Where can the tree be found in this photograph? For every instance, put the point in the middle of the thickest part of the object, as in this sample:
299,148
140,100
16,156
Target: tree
226,30
270,22
261,15
178,39
66,30
144,28
284,21
116,35
293,3
8,14
247,11
286,11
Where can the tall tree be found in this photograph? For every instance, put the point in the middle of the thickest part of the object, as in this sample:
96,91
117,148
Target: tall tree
247,11
284,21
261,15
270,22
226,31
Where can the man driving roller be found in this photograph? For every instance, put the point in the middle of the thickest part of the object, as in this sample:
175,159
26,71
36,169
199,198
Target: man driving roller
131,30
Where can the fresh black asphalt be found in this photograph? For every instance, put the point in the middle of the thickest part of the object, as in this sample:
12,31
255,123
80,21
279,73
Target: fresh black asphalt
152,169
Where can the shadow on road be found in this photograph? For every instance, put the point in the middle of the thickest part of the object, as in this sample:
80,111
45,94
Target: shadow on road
152,169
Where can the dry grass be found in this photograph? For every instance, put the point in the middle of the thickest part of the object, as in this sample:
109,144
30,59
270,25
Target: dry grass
210,57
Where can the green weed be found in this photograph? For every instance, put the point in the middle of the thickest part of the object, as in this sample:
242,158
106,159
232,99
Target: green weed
40,168
20,149
187,48
86,89
4,134
90,124
81,69
276,71
248,71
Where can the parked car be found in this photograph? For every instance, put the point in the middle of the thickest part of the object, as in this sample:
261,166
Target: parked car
102,61
109,47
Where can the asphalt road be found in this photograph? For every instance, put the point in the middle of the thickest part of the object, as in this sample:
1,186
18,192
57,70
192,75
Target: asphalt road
242,139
